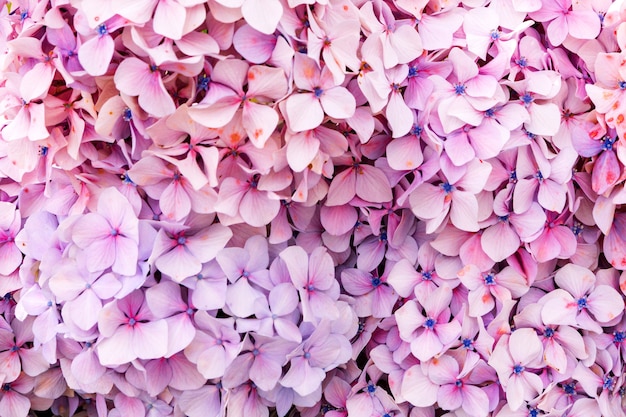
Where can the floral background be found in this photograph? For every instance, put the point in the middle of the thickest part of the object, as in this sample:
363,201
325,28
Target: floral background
302,208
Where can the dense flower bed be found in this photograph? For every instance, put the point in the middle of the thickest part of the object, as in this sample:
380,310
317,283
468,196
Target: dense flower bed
299,207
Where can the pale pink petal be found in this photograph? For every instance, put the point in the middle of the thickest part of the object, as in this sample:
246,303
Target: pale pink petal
132,76
303,112
297,262
426,345
559,308
301,150
117,349
555,357
169,19
338,103
343,188
475,401
499,241
86,367
399,115
254,46
266,82
85,309
14,404
174,202
257,208
464,211
417,387
150,339
372,185
525,346
217,114
403,277
259,121
575,279
96,53
449,397
178,263
155,99
605,303
583,24
262,15
36,82
404,153
427,201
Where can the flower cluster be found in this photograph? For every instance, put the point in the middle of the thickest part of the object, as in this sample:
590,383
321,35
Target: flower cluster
367,208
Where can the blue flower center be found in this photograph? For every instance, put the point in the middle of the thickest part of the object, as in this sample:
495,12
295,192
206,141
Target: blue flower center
102,30
23,15
416,130
539,176
518,369
376,282
490,279
132,321
569,388
114,232
371,388
181,240
577,228
490,113
467,343
447,187
622,85
459,89
504,218
458,383
6,387
527,99
513,176
522,62
412,72
607,143
619,337
548,332
582,303
608,383
426,276
430,323
127,115
43,150
318,92
255,352
495,34
203,82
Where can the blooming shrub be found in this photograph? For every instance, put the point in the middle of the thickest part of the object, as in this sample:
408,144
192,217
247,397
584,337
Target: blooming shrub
313,207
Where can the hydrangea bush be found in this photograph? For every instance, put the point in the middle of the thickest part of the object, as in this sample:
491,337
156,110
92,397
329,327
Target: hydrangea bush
313,207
